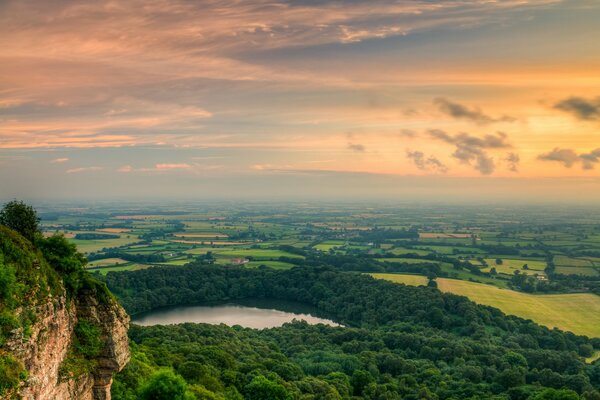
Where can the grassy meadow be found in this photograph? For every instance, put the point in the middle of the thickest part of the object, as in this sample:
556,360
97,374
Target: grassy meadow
578,313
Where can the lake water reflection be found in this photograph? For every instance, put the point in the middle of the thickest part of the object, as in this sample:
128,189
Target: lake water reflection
250,314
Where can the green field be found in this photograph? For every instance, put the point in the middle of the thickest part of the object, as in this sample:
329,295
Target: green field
328,245
90,246
105,262
578,313
585,271
565,261
128,267
399,251
509,266
408,260
270,264
257,254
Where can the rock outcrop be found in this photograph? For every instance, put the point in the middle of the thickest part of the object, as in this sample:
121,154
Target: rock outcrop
54,357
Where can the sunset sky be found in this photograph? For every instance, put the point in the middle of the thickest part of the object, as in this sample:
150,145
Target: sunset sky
424,99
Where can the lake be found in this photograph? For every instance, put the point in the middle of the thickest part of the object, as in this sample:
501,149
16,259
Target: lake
256,314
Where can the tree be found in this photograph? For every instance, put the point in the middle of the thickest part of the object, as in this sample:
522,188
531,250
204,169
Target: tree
20,217
263,389
164,385
499,261
556,394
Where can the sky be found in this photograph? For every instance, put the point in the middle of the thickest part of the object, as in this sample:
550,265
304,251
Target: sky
283,99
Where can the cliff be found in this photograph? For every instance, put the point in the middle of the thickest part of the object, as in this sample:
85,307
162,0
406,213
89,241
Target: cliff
62,334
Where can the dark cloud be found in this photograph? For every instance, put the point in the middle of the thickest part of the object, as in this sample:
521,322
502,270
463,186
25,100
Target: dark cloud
513,161
588,160
568,157
581,108
426,163
472,150
457,110
356,147
409,133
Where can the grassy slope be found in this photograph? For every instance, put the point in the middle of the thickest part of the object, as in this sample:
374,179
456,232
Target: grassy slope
579,313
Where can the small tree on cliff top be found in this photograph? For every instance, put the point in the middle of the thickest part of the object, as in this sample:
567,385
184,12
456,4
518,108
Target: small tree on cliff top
20,217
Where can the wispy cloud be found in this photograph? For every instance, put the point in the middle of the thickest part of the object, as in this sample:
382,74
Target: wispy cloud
569,157
425,163
513,160
581,108
157,168
59,160
172,166
357,147
472,150
84,169
460,111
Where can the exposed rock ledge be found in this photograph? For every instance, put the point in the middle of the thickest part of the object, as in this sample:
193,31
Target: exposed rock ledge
44,351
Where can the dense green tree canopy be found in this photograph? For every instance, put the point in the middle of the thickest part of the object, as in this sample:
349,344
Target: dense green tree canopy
20,217
398,342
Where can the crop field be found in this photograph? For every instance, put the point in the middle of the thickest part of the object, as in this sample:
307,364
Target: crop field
509,266
585,271
127,267
565,261
326,246
106,262
415,280
407,260
263,254
90,246
399,251
270,264
578,313
441,235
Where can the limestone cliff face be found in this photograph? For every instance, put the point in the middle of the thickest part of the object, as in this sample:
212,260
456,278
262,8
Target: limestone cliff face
56,343
52,336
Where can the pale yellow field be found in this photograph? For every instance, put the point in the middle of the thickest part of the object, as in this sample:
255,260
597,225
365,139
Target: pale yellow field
578,313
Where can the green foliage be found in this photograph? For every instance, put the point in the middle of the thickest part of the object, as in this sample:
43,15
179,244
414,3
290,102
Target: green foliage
262,388
398,342
11,373
554,394
21,218
8,279
88,340
164,385
61,254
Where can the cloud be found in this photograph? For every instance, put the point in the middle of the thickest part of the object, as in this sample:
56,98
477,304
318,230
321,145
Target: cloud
172,166
569,157
157,168
581,108
472,150
426,163
59,160
460,111
83,169
125,168
357,147
513,160
408,133
588,160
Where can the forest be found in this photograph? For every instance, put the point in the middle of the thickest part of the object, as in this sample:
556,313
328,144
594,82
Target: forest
397,342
